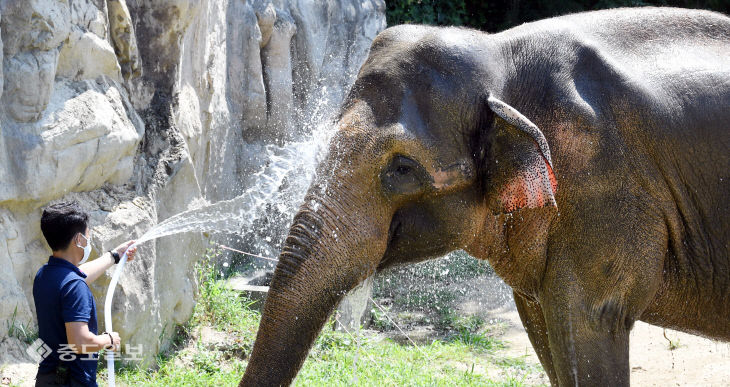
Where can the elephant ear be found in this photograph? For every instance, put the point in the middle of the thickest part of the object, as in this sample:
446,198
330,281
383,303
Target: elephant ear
521,170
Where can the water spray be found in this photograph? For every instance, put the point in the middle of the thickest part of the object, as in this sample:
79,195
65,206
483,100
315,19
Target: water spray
108,313
282,180
245,253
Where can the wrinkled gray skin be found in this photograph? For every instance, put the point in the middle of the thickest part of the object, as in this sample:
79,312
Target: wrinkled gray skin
625,217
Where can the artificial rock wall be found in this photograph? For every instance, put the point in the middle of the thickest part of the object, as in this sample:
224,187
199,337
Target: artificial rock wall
138,108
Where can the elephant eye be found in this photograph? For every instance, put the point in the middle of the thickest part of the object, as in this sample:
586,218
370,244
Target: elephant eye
403,175
403,169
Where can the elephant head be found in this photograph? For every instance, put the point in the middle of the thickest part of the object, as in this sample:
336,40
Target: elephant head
426,149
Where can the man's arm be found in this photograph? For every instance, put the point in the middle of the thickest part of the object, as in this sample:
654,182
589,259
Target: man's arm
82,340
95,268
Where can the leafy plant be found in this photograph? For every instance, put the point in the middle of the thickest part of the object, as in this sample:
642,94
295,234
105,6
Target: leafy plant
20,330
471,332
206,361
494,16
379,321
673,344
218,305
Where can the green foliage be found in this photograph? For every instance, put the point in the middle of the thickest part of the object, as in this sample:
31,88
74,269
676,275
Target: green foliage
220,307
380,321
338,359
19,329
427,12
362,358
427,287
207,361
170,372
493,16
472,332
673,344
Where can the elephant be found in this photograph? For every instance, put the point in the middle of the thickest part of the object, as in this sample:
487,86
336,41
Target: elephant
586,157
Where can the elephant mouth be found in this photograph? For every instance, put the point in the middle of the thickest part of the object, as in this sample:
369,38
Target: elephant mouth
393,234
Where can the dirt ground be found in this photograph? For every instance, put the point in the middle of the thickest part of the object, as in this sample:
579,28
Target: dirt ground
695,362
16,368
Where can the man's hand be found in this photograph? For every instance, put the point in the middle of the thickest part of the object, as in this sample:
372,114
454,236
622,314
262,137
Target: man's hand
123,247
83,341
96,267
117,343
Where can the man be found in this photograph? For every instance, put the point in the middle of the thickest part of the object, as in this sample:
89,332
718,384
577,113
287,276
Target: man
64,304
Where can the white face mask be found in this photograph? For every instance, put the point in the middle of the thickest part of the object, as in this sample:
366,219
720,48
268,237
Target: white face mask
87,249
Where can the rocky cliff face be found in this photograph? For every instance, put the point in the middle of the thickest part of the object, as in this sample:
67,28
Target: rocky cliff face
137,108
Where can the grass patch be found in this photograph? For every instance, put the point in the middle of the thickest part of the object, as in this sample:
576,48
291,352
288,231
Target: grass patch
202,372
339,360
216,307
461,358
473,332
430,287
220,307
19,329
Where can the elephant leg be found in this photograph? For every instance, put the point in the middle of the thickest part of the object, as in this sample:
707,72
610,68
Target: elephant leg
534,323
584,352
597,283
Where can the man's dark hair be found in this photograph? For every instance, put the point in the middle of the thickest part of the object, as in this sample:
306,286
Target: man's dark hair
61,221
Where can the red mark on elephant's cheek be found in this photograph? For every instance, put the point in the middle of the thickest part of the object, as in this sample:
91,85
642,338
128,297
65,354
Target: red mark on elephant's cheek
533,187
513,195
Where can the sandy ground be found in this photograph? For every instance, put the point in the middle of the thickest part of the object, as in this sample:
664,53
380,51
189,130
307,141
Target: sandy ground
16,368
696,362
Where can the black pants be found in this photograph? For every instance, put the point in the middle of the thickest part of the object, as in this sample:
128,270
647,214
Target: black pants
52,379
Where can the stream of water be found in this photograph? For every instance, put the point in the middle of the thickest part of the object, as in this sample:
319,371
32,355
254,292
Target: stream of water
279,186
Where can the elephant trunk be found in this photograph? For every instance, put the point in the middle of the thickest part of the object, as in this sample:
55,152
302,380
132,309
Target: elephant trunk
316,269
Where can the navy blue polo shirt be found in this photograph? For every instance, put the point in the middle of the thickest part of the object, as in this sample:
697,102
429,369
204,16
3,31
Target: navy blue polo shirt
61,295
